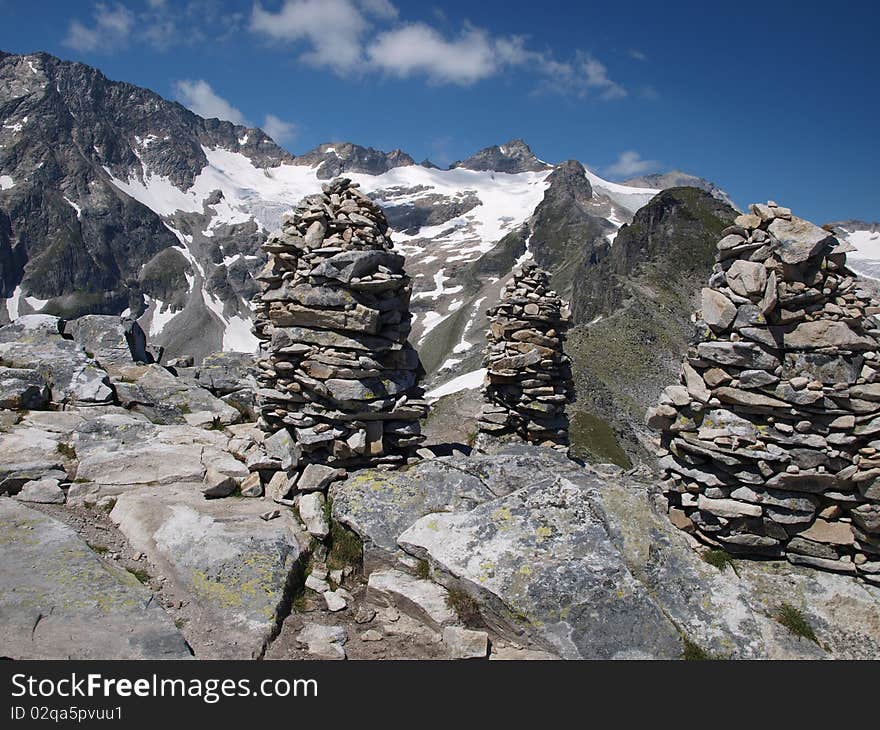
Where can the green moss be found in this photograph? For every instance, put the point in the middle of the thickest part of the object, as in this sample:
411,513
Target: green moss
464,605
693,652
142,575
796,622
720,559
66,450
423,569
345,547
100,549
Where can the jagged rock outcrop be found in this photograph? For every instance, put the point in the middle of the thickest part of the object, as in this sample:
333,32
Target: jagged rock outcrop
569,223
631,304
515,156
336,158
339,380
528,381
770,441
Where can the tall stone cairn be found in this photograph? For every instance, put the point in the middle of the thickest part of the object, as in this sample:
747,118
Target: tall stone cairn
528,382
338,382
771,444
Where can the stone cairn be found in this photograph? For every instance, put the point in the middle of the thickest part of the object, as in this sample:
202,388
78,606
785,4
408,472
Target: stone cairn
529,375
771,444
338,380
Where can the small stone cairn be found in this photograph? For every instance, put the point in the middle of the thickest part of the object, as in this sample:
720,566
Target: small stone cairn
338,382
771,444
529,382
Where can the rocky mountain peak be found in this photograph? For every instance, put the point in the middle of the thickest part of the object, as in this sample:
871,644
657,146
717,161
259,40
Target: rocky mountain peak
130,130
335,158
511,157
569,179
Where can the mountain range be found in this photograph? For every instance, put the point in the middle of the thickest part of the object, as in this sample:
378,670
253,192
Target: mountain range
115,200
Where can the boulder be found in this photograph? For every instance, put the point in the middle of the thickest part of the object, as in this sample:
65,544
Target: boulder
233,567
533,559
58,599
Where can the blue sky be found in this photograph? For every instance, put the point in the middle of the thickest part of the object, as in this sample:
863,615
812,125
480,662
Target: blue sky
768,99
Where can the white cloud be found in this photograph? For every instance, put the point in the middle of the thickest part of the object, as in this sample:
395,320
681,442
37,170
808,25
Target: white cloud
630,163
334,35
637,54
332,29
583,76
419,49
596,77
111,29
198,96
379,8
278,129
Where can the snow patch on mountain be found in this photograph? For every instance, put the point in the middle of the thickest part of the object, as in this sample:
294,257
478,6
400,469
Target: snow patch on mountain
630,198
467,381
865,237
6,182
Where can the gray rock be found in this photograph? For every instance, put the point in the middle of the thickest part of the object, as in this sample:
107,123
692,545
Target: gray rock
465,643
217,484
336,600
420,599
726,614
324,642
740,354
71,374
381,505
570,561
22,389
718,311
747,278
827,333
59,600
316,584
316,477
312,511
799,240
43,491
281,447
233,567
729,508
252,486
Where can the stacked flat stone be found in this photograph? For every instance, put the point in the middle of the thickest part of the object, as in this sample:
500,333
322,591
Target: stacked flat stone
338,382
771,444
528,382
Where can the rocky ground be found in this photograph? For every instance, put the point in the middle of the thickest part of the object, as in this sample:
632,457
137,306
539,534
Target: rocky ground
113,549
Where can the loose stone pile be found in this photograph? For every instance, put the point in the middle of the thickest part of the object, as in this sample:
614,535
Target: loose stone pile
771,444
529,375
338,387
